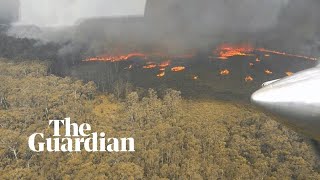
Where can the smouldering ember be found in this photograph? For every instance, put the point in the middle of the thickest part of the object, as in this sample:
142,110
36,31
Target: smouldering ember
267,55
194,77
162,69
178,68
251,64
116,58
150,66
248,79
267,71
224,72
161,74
285,54
289,73
258,60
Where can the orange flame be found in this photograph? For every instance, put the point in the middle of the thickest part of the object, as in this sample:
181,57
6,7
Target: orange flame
161,74
165,64
150,66
162,69
178,68
251,64
267,71
289,73
248,79
195,77
286,54
258,60
224,72
226,50
115,58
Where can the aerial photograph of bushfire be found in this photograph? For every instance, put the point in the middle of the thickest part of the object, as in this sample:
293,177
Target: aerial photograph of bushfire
160,89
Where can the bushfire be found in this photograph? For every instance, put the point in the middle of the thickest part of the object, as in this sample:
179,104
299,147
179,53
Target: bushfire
162,61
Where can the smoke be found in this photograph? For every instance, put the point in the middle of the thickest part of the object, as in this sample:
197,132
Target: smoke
68,12
171,25
197,24
8,11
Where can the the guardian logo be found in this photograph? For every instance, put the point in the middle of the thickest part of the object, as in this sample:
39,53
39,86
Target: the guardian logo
78,138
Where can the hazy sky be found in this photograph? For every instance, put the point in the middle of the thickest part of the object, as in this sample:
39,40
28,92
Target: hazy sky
67,12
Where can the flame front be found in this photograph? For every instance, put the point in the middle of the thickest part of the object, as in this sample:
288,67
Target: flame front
285,54
115,58
226,51
162,61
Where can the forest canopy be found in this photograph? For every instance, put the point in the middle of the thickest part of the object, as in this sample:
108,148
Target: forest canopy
175,138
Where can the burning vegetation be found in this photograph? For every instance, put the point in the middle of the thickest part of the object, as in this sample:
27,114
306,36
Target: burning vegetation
268,72
150,66
161,74
116,58
223,52
248,79
285,54
165,64
178,68
226,51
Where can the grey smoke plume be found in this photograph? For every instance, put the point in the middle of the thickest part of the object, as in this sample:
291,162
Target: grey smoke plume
68,12
174,25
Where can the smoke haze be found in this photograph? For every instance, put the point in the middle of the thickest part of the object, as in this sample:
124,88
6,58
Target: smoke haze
68,12
175,25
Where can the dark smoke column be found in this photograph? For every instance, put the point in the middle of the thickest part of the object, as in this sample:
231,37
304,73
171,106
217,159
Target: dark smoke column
9,11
